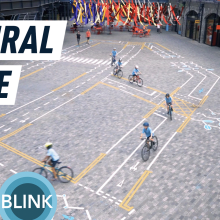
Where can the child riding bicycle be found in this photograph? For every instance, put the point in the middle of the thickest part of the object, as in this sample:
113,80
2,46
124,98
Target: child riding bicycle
148,131
51,153
168,101
134,73
118,65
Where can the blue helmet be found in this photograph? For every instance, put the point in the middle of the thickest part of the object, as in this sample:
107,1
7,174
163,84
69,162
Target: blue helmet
146,124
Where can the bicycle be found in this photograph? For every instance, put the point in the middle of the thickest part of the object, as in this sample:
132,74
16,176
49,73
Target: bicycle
138,80
145,153
65,173
117,71
170,112
113,60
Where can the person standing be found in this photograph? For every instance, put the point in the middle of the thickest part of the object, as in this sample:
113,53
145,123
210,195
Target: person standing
158,28
78,35
88,35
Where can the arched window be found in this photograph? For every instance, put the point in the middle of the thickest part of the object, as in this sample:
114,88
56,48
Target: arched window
212,35
192,28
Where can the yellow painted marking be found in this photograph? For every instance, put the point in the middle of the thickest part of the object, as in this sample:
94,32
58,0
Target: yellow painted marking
69,82
181,109
131,193
90,88
87,169
152,111
148,48
156,90
2,115
142,46
125,45
95,44
31,73
144,99
183,125
109,85
14,132
162,46
175,91
74,180
203,100
21,154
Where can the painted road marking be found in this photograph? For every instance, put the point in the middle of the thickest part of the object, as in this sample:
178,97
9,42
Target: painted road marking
54,109
2,115
25,114
87,169
183,125
88,215
2,126
31,73
151,111
1,165
131,193
69,82
13,171
47,103
7,129
87,90
14,120
14,132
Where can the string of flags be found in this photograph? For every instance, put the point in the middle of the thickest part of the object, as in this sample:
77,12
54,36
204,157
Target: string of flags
123,11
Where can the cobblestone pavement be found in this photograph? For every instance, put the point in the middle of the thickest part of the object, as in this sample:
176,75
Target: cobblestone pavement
95,119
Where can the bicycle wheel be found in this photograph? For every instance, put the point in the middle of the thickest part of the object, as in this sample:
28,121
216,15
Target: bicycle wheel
140,82
145,153
65,174
40,171
120,74
154,146
130,79
114,71
170,113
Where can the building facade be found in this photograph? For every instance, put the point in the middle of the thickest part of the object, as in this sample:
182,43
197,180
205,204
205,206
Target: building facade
200,21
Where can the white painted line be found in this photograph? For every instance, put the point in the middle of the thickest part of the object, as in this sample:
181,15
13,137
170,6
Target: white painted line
117,203
126,91
88,215
2,126
47,103
99,62
123,218
88,80
65,201
79,60
54,109
59,196
75,208
133,210
159,115
25,114
1,164
113,197
85,60
101,192
212,87
13,171
110,200
119,200
36,108
148,168
125,161
83,83
125,136
71,90
7,129
75,59
104,197
26,119
28,103
156,96
14,120
66,58
64,94
86,187
77,87
94,61
80,184
107,194
89,61
69,59
91,190
93,76
105,62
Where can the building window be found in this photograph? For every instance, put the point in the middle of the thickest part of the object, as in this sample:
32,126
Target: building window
212,35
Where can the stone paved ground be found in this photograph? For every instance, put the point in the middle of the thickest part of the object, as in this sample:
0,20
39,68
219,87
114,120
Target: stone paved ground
107,120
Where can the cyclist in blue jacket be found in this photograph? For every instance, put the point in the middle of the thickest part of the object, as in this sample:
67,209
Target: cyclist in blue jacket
113,54
148,131
118,65
168,101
